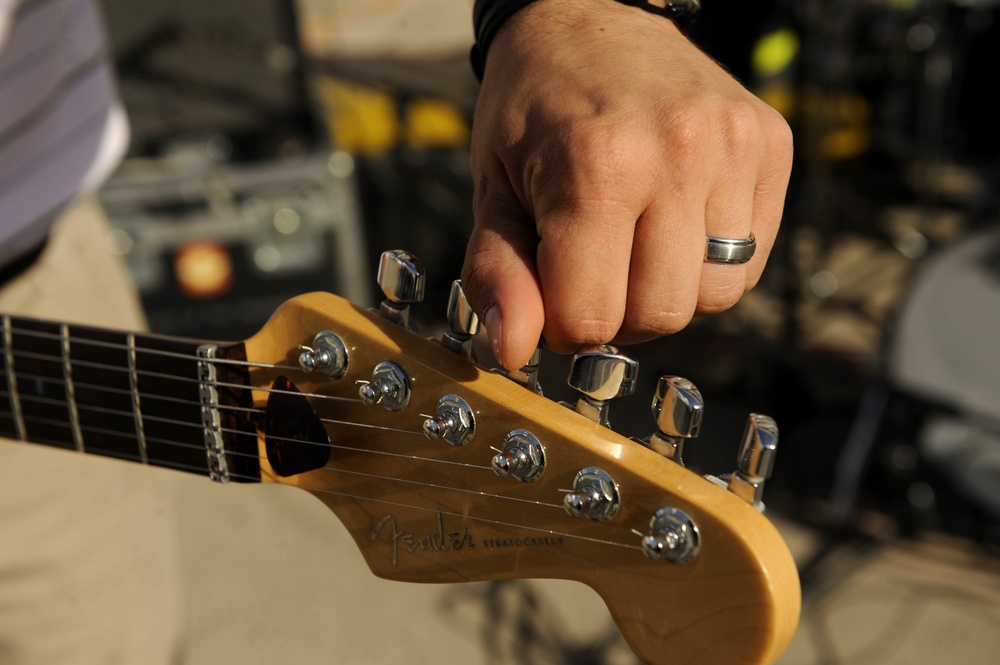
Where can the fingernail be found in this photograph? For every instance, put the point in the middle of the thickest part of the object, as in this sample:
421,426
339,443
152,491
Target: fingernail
494,328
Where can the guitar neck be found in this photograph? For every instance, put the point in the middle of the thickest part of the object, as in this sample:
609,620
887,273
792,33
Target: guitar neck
141,398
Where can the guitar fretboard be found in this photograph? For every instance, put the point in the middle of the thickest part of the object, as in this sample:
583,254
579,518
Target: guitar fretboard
132,397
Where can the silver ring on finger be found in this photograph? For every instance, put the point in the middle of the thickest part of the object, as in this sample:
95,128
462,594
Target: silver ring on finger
729,250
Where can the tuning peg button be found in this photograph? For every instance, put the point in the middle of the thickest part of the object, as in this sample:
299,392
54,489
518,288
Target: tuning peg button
677,408
601,374
756,459
402,277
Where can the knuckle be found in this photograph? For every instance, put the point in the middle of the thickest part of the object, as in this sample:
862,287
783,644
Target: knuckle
741,127
598,172
649,322
688,129
579,332
714,299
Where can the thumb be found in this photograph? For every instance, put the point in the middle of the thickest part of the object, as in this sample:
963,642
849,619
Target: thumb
500,279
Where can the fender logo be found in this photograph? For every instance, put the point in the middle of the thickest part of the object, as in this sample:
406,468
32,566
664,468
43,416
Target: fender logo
439,541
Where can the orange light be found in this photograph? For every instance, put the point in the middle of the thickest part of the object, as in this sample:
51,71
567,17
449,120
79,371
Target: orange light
204,269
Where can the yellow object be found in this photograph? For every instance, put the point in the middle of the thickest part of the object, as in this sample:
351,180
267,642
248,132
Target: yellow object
433,123
361,120
365,120
774,52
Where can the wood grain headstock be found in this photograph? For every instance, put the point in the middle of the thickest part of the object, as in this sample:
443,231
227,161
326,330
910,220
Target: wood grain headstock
435,510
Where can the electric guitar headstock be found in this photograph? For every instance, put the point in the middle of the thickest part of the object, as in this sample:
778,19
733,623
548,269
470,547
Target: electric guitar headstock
445,471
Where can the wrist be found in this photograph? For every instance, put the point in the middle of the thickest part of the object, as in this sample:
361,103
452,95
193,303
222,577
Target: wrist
489,16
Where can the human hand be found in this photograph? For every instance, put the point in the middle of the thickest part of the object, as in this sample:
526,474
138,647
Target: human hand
605,148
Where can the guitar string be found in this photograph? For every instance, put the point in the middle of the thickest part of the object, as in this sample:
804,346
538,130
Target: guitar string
462,516
183,379
186,467
442,487
129,414
258,457
38,399
225,361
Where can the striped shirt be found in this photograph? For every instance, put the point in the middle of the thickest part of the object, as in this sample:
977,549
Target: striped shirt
62,127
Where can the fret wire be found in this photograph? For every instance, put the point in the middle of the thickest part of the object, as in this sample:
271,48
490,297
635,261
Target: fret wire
133,383
13,395
158,352
67,369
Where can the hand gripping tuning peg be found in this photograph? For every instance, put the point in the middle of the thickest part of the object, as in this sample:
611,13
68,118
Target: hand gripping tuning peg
463,322
756,460
401,276
601,374
677,408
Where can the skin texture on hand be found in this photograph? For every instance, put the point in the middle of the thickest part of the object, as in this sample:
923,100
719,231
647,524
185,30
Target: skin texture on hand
605,148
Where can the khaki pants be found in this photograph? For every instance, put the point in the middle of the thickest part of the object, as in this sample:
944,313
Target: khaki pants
107,562
87,570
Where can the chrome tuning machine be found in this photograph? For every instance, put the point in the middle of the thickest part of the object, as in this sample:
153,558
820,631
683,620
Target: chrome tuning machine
601,374
755,462
453,421
594,495
389,387
677,408
402,277
462,321
673,537
327,355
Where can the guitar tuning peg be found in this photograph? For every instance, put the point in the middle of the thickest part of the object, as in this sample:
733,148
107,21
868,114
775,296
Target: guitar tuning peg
327,355
453,420
594,495
462,321
673,536
678,408
401,276
601,374
756,460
